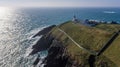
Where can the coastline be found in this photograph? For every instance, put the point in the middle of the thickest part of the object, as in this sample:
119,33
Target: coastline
59,49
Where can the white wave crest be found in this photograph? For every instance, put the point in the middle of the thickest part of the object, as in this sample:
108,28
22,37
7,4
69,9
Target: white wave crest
29,50
35,31
110,12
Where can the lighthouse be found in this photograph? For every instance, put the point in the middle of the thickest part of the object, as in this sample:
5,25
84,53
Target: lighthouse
74,19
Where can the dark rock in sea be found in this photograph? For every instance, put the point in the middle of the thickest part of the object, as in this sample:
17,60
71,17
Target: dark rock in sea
114,22
44,31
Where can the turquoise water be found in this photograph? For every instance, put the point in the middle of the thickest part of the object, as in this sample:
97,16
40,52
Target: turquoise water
18,25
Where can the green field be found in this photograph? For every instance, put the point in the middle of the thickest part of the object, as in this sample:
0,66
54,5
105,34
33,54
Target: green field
113,52
109,27
92,39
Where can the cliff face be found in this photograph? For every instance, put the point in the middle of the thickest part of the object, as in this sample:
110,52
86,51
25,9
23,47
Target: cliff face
44,42
56,55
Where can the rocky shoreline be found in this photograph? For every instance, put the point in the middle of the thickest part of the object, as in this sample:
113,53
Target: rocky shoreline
57,54
44,42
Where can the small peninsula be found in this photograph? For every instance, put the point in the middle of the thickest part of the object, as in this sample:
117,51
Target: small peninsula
78,44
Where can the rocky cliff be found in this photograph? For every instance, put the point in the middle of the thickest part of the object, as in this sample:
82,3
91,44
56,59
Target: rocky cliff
57,53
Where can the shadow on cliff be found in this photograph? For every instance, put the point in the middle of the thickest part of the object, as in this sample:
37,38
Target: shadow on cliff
91,60
56,55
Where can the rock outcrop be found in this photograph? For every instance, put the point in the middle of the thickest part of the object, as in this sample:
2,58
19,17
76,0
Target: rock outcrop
44,42
44,31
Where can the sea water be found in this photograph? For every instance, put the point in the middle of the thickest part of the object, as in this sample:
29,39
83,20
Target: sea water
18,25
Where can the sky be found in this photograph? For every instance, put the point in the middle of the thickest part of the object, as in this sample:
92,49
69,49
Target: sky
59,3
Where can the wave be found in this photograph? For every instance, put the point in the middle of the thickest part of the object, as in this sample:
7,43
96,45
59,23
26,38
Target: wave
32,41
110,12
29,49
35,31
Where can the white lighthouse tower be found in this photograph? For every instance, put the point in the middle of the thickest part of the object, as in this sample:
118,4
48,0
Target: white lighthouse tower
74,19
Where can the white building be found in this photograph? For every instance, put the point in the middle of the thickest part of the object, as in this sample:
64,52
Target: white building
74,19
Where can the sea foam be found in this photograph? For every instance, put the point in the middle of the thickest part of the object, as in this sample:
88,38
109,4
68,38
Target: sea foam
110,12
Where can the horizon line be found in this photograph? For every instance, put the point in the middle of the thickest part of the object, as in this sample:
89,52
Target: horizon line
61,6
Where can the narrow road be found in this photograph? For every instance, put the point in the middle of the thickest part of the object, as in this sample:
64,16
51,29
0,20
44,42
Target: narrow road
89,51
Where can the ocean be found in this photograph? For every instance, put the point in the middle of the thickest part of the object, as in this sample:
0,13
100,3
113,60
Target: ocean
18,25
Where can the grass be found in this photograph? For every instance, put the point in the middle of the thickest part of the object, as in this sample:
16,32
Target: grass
113,52
88,37
109,27
92,38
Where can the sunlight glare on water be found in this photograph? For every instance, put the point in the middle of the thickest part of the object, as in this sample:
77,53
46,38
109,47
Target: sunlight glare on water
13,43
3,11
5,25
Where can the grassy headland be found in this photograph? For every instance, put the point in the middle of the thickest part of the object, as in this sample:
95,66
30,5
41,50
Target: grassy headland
92,39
